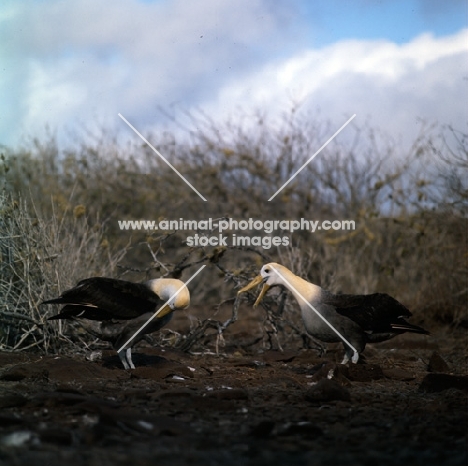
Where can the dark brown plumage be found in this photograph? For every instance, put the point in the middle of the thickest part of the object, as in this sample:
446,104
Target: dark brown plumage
114,310
353,319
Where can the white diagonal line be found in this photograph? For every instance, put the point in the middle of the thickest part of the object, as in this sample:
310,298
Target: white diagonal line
159,310
303,166
315,310
158,153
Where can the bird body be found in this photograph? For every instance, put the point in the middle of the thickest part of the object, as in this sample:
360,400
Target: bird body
115,310
353,319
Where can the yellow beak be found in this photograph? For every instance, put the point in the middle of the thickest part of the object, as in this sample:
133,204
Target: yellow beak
257,280
166,309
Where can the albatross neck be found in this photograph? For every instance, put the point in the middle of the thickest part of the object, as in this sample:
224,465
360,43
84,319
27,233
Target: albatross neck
166,288
301,288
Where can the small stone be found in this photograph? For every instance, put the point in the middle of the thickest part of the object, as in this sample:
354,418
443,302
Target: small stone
263,429
58,436
17,439
330,370
306,429
364,372
327,390
169,370
229,394
12,400
279,356
437,364
27,371
398,374
8,420
439,382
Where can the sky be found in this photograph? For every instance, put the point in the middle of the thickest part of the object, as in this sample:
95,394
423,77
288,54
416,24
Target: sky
70,67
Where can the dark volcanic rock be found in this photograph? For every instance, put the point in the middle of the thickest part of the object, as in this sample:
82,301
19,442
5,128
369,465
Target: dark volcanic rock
66,370
26,371
62,399
62,370
439,382
7,420
175,394
161,370
56,436
330,370
13,358
136,421
300,429
364,372
235,411
398,374
263,429
12,400
279,356
229,394
437,364
327,390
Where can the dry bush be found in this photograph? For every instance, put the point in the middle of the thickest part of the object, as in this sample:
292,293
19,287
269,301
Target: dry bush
38,259
409,208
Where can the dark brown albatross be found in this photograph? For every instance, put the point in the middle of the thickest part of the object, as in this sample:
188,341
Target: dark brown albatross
359,319
114,310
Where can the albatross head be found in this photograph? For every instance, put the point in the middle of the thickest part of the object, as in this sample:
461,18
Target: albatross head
173,292
271,274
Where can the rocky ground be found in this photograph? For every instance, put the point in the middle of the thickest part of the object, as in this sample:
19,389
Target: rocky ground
405,404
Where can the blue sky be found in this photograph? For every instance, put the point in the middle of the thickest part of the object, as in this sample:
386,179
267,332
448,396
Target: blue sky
73,66
398,20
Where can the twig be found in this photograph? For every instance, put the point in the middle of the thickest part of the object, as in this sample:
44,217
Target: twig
15,315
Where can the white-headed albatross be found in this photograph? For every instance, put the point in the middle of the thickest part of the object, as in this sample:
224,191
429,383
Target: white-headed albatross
114,310
359,319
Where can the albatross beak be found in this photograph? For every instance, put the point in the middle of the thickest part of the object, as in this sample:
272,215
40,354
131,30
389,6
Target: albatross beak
253,283
257,280
163,311
265,288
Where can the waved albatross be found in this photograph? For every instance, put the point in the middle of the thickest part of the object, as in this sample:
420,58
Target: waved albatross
116,309
360,319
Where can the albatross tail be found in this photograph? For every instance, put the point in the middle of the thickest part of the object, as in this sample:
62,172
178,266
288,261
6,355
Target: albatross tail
406,327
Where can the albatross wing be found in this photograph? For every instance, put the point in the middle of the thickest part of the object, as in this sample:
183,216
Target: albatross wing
374,313
100,298
71,311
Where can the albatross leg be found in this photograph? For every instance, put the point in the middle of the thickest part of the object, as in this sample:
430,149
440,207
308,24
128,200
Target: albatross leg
354,358
129,358
321,349
123,358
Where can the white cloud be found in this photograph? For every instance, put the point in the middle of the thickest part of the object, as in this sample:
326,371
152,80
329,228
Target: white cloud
392,85
72,63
